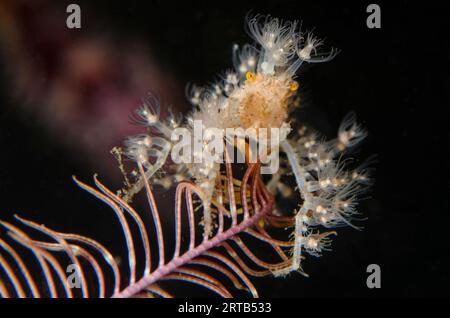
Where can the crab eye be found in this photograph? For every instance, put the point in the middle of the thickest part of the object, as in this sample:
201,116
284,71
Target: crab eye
250,76
294,85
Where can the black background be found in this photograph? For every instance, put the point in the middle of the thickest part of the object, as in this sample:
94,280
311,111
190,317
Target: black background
396,80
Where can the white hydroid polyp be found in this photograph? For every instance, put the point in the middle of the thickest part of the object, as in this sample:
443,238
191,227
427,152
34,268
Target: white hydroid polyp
277,38
350,133
245,59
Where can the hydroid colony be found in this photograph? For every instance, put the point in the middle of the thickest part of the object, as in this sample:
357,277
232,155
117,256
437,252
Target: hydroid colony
260,93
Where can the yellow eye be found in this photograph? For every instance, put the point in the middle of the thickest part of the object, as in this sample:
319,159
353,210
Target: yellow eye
250,76
294,86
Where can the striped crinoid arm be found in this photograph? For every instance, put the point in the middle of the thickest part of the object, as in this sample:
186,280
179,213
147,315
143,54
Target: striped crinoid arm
221,263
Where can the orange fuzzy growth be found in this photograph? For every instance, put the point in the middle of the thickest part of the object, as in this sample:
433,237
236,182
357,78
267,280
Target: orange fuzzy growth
263,101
